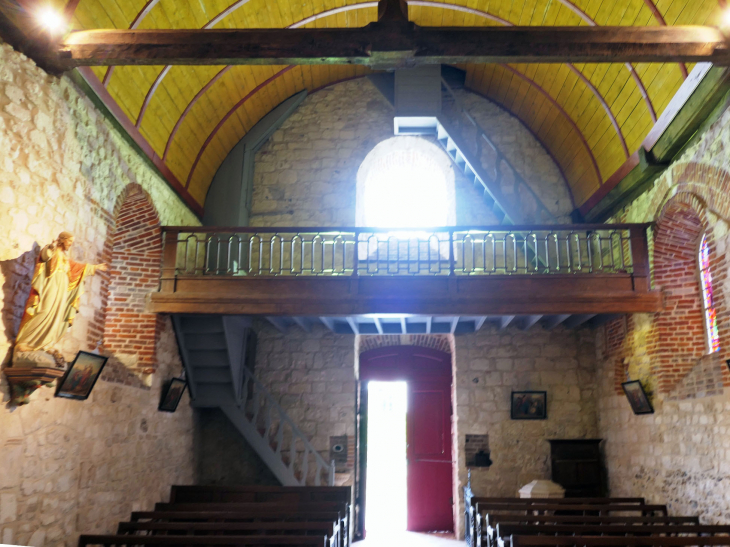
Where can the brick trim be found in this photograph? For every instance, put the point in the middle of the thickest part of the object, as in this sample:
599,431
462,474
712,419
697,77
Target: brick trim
130,333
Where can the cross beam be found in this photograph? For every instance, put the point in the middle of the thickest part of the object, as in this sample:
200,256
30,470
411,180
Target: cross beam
394,43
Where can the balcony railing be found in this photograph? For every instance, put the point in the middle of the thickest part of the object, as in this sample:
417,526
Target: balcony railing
448,251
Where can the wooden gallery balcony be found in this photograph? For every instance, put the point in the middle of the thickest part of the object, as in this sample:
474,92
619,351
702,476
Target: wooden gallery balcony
478,271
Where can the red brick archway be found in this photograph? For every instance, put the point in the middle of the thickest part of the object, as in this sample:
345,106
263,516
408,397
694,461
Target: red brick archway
679,332
129,332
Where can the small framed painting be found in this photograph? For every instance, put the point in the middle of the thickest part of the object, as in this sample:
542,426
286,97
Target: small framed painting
637,397
529,405
81,376
172,394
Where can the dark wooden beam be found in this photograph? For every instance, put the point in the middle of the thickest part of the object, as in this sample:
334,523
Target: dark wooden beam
394,43
328,297
279,323
555,320
303,323
705,90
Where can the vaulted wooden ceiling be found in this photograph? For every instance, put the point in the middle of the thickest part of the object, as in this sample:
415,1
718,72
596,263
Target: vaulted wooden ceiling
591,117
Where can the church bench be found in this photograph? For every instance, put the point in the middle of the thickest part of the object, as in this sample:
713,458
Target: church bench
256,506
499,537
470,509
222,493
279,514
618,541
240,528
486,523
215,512
248,541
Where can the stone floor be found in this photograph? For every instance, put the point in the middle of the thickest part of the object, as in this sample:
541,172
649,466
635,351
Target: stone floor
410,539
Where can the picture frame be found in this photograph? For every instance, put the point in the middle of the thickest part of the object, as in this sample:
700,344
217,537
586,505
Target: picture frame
81,376
637,397
528,405
171,394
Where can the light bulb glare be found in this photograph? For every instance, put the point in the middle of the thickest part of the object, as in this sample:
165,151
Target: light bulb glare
50,19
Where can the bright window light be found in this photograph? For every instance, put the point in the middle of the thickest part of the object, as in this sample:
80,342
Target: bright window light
386,472
50,19
406,194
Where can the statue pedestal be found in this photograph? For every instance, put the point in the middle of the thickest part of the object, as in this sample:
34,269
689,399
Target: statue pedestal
542,489
24,381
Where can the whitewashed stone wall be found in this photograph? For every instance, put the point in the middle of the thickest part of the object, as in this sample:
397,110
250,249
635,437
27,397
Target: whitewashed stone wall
680,455
70,466
492,363
312,375
306,174
314,378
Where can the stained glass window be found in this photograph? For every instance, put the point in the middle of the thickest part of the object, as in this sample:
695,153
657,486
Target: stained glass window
708,303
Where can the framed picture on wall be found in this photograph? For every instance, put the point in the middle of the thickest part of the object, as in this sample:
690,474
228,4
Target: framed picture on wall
171,395
81,376
529,405
636,395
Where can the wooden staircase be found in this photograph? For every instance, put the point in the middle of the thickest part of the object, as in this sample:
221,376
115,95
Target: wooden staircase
214,350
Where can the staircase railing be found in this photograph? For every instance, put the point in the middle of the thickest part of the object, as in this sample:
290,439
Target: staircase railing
289,445
498,169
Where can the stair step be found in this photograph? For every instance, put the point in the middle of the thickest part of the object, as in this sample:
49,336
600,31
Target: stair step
213,392
205,341
208,358
201,323
212,375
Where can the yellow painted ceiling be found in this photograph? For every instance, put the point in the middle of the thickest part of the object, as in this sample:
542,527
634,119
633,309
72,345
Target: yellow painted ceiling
590,117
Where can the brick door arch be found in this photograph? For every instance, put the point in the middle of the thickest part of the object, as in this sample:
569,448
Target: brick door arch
129,332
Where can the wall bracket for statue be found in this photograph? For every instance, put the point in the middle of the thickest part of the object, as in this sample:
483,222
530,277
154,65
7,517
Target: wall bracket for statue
24,381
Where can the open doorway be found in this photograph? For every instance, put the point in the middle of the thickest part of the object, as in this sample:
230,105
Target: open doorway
405,437
386,457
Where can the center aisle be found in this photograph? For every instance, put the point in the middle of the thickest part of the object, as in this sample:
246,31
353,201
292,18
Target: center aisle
410,539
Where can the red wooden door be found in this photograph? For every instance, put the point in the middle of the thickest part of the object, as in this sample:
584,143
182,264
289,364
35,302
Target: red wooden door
428,429
429,456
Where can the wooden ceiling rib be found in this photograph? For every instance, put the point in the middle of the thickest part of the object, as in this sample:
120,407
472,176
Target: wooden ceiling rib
590,117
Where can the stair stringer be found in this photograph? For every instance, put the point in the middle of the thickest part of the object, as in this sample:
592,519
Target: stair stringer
238,418
213,351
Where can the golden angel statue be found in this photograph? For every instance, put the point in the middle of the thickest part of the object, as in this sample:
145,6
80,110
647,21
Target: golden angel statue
54,297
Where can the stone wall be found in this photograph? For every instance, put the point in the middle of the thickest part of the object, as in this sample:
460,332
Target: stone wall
313,376
492,363
77,466
223,456
678,455
306,174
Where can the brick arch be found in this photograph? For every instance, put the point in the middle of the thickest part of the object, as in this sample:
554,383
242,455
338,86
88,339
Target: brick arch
706,185
678,341
441,342
130,333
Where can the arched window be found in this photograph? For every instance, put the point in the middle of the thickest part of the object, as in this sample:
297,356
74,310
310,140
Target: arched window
405,182
708,303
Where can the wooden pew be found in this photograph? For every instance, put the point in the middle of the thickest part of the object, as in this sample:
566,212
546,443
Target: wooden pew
222,493
280,506
619,541
248,541
483,508
505,531
303,528
486,524
472,501
263,515
253,506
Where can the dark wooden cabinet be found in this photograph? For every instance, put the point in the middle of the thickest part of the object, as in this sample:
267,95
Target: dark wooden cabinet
577,467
